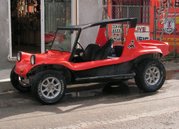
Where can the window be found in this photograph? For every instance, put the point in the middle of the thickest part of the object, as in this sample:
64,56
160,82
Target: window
62,41
57,13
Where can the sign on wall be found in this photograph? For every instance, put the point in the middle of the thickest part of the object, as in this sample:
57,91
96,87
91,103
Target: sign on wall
169,25
117,32
142,32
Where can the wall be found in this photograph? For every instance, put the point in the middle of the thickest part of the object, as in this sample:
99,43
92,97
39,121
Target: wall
4,35
89,11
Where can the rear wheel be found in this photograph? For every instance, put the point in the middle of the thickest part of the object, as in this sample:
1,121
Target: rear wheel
48,86
150,75
19,83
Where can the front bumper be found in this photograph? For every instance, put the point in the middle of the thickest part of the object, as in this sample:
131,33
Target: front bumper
22,68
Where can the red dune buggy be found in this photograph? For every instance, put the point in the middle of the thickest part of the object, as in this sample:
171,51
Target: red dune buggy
48,74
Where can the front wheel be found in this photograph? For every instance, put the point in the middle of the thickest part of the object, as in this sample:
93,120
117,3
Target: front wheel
19,83
150,75
48,86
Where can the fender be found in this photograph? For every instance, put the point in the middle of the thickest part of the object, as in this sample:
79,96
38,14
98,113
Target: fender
65,71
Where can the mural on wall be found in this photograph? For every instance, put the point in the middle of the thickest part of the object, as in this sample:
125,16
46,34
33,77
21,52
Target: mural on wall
167,28
158,19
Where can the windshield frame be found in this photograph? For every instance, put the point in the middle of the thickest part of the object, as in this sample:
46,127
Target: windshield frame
66,29
78,28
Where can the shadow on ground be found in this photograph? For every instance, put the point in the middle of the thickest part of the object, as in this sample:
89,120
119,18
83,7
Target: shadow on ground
15,103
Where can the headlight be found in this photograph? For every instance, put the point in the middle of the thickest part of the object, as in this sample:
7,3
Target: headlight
32,59
19,56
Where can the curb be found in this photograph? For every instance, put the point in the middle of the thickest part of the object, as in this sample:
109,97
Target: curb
5,80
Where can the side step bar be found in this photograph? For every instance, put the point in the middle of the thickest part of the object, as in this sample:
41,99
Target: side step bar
110,77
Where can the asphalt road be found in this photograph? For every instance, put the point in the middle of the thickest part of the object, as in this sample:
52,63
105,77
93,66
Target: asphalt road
124,108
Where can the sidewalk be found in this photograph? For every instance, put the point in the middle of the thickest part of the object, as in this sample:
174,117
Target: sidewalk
171,65
6,86
4,74
5,80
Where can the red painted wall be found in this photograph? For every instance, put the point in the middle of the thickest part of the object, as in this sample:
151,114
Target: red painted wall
161,13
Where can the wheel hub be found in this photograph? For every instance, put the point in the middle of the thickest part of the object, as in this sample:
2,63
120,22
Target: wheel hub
50,87
152,75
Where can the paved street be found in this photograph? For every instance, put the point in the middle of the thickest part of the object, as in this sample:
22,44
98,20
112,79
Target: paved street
124,108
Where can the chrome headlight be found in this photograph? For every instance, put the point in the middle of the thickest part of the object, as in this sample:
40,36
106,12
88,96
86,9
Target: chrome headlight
32,59
19,56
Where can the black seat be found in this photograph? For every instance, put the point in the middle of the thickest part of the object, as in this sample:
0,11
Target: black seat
105,51
118,50
90,52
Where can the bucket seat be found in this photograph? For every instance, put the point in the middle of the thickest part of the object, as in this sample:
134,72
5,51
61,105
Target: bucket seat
104,51
90,52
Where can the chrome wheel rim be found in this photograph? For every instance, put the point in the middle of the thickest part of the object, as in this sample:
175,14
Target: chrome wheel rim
152,75
50,87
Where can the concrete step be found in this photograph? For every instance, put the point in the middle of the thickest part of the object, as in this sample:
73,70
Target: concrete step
5,86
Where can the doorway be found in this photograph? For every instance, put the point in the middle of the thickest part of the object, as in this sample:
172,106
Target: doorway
25,25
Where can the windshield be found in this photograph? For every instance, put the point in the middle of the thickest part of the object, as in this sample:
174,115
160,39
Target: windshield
62,41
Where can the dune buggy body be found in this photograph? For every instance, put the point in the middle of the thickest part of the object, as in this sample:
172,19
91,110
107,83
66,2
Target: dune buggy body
98,62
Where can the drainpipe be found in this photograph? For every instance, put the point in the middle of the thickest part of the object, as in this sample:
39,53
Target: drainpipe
42,16
77,12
